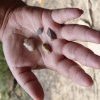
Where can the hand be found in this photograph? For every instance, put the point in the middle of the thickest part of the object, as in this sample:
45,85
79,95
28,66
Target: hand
24,22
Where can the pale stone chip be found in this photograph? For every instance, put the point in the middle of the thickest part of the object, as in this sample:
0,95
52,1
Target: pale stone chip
40,31
29,44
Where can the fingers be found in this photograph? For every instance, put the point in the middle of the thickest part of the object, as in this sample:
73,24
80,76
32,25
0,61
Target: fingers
69,69
74,72
80,32
71,32
28,81
62,15
81,54
76,52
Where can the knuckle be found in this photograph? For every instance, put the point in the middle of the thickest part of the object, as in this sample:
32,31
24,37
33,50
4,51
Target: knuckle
63,31
67,31
74,71
88,56
58,45
70,50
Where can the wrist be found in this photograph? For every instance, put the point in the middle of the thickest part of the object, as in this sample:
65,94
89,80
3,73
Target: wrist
6,7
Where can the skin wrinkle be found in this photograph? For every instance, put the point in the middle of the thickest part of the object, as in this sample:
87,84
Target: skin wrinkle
70,50
18,21
24,70
60,59
76,71
41,19
77,51
73,30
66,36
35,81
58,43
85,34
33,12
17,18
30,21
86,60
28,80
70,69
31,80
74,52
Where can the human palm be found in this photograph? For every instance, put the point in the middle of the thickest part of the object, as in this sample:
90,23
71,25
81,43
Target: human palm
24,22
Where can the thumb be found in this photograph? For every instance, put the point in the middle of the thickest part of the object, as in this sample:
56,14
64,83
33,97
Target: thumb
62,15
28,81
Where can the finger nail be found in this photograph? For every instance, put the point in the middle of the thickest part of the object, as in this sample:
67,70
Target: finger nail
46,48
51,34
40,30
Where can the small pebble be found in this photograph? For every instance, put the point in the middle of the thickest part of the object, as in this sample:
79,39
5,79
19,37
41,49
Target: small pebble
40,31
29,44
47,48
51,34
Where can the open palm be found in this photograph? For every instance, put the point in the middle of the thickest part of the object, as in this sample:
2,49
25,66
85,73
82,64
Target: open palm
24,22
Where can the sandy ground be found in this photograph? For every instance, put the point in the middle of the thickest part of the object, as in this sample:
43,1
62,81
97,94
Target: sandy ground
55,86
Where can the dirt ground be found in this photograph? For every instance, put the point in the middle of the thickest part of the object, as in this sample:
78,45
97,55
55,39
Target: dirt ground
57,87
